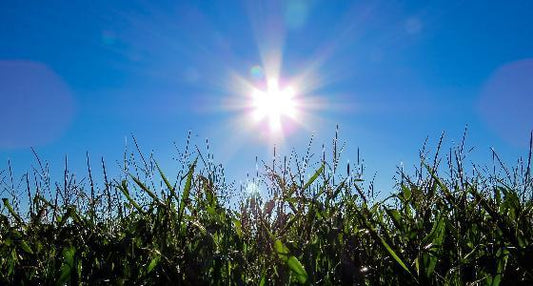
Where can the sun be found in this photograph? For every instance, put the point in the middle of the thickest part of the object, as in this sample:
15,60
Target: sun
274,105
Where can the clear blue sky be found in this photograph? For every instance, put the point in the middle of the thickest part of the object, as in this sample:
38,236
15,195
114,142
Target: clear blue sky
80,76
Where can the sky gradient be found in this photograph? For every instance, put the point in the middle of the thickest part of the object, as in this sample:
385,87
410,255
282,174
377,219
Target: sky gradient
80,76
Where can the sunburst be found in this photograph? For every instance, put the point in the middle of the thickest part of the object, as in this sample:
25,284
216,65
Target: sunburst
274,105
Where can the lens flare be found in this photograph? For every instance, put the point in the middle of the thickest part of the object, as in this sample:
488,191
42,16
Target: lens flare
274,105
257,72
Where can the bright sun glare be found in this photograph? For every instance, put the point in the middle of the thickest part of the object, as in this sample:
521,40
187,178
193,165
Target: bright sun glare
274,104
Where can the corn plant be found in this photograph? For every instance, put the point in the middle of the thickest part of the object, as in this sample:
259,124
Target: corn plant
313,224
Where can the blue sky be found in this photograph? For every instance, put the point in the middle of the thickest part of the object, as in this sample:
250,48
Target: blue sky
80,76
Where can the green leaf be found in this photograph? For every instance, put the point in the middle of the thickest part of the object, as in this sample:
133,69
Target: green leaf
393,254
281,250
429,262
385,244
447,193
145,189
436,235
124,189
297,269
11,210
294,264
68,265
186,191
314,177
238,227
396,218
262,282
434,241
405,195
26,247
70,213
153,263
170,187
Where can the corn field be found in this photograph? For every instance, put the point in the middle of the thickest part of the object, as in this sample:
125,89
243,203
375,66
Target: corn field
315,222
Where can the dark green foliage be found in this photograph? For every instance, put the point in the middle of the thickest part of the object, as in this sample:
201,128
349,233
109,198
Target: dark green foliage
433,230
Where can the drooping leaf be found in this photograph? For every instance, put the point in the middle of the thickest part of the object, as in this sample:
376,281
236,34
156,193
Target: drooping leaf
146,189
393,254
11,210
124,189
